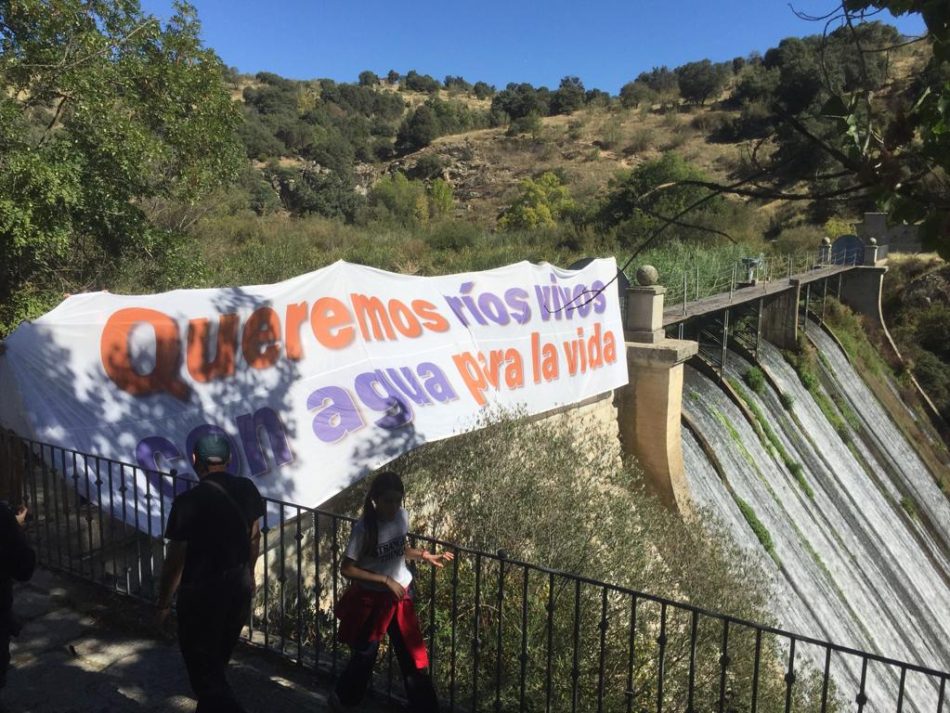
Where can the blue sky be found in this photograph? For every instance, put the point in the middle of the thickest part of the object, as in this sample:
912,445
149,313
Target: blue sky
604,42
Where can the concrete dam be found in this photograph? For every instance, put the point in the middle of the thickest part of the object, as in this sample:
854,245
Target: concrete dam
848,563
821,487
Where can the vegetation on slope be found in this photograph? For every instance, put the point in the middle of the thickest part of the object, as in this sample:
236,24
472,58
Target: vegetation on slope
141,192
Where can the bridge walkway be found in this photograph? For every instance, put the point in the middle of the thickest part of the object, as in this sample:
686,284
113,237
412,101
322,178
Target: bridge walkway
683,312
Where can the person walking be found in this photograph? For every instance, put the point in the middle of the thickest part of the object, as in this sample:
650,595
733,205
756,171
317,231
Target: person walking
214,541
378,600
17,562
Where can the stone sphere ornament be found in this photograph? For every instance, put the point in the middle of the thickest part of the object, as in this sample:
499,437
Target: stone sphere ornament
647,275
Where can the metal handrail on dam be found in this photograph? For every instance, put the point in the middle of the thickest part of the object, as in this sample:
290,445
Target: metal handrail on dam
504,634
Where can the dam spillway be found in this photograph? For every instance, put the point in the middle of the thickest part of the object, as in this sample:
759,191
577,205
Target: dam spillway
850,561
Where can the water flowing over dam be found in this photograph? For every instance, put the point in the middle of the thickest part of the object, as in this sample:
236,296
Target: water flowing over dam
857,527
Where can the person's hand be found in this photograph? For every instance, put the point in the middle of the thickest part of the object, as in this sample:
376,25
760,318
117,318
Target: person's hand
437,559
21,513
398,591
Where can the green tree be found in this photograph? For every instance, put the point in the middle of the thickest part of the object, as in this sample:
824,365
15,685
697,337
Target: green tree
662,80
420,82
835,131
101,108
540,204
418,130
530,124
518,100
635,93
597,97
441,198
569,96
640,201
368,78
320,192
401,199
700,80
456,83
483,90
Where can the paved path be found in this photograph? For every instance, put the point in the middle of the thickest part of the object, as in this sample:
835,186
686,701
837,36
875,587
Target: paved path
85,650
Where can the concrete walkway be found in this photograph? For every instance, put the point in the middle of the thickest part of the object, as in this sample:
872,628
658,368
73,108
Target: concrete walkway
85,650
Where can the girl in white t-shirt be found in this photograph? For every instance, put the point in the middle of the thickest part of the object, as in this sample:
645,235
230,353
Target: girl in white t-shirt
378,601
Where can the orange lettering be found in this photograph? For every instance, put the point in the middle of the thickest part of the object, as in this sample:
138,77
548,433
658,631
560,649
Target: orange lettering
404,319
261,340
296,314
372,309
432,320
330,319
199,367
117,362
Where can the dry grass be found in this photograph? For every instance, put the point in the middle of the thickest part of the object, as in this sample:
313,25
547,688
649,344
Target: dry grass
588,147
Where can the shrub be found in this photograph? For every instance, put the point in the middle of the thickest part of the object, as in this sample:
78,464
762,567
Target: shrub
403,199
761,532
835,227
755,379
787,400
711,122
610,134
454,235
641,140
530,124
540,204
428,166
441,198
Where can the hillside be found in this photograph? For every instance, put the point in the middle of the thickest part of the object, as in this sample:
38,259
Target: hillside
484,143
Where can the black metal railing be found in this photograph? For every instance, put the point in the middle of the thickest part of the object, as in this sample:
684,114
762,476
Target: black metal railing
503,635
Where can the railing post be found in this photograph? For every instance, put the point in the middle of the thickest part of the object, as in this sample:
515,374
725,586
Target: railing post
685,273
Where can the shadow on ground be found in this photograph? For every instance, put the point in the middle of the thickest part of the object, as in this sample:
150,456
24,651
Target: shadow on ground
85,650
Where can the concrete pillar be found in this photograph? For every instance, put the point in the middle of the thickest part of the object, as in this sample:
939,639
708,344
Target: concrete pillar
649,407
780,317
870,253
824,252
861,289
644,318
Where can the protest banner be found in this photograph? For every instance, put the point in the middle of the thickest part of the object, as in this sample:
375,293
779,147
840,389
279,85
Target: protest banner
316,380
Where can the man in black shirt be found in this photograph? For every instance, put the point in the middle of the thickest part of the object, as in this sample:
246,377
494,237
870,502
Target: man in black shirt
17,561
215,535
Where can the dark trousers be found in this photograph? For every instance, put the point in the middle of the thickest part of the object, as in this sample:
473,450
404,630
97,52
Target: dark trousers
9,628
210,617
4,658
356,676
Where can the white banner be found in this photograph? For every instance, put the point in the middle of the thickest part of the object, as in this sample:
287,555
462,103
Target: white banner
317,380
